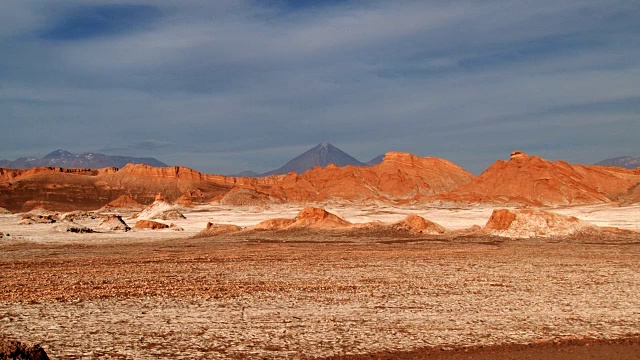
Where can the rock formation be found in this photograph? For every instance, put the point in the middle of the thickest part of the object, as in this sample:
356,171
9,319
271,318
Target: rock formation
534,223
399,178
77,215
73,228
518,154
310,217
217,229
4,211
30,218
160,209
149,224
274,224
418,225
114,223
534,181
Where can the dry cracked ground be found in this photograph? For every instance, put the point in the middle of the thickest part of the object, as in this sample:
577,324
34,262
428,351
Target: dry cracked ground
307,295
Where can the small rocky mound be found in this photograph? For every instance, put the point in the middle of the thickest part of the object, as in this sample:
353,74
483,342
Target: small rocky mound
114,223
313,218
123,202
534,223
148,224
73,228
14,349
4,211
245,197
274,224
217,229
175,227
31,218
418,225
78,215
161,210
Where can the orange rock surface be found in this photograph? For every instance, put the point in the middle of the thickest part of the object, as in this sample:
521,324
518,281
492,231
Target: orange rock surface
217,229
418,225
535,181
399,178
527,223
310,217
149,224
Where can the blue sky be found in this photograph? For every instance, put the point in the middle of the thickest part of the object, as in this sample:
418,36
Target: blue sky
226,86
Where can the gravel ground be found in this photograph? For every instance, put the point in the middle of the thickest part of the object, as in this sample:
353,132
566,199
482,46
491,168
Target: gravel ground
304,295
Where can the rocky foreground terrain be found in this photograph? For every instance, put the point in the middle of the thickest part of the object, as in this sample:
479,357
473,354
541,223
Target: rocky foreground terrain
324,288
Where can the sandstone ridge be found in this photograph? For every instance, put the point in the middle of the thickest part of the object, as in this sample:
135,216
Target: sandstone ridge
532,180
400,178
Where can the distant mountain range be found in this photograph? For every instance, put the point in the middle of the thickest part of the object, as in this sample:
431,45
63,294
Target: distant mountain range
321,155
622,161
63,158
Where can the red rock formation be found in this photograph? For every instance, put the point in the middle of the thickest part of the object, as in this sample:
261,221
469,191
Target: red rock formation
218,229
535,181
149,224
274,224
399,178
534,223
114,223
310,217
418,225
500,220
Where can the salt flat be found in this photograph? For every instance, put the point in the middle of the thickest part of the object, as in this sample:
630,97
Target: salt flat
452,218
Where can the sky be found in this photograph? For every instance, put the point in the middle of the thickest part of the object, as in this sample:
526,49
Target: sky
227,86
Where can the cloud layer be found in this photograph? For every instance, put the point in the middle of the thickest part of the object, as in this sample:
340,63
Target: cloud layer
226,86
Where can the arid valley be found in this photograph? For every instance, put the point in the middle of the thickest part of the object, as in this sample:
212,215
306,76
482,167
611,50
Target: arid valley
405,259
320,179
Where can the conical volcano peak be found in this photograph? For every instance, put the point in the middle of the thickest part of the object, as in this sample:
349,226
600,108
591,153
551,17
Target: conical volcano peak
321,155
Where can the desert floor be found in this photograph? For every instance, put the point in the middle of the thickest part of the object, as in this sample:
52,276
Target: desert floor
161,294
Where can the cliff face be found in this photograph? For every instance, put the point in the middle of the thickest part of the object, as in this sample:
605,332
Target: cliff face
536,181
54,188
399,178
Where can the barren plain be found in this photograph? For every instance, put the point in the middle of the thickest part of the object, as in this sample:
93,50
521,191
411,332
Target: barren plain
308,294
